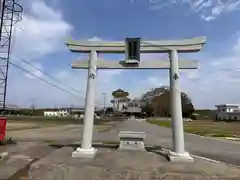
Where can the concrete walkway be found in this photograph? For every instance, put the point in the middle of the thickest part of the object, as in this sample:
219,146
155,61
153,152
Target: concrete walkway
110,164
217,149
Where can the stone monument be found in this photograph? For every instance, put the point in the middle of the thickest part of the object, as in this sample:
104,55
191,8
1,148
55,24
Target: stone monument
130,140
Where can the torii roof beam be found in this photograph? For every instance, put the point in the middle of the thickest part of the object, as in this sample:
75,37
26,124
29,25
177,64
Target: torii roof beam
145,64
185,45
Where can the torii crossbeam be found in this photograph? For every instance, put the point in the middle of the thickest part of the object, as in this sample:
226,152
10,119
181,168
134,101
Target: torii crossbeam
185,45
174,63
146,64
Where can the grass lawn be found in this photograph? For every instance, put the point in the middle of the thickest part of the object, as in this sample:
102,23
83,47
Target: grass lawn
206,127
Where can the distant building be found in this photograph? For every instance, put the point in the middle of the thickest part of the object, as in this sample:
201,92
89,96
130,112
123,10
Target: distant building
228,112
119,104
57,113
133,107
77,112
69,111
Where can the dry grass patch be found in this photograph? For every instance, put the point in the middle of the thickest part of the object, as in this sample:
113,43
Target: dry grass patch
206,127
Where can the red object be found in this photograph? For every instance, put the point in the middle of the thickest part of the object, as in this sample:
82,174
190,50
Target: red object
3,123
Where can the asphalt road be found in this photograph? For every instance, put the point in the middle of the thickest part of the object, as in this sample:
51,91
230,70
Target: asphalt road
221,150
217,149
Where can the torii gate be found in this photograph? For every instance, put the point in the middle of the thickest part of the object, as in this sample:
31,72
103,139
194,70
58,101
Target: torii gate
174,63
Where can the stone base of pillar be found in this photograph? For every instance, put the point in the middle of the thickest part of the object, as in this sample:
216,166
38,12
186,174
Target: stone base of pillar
180,157
84,153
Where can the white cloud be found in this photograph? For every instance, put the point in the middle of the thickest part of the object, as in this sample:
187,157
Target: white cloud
215,82
40,35
207,9
160,4
155,81
41,31
37,37
217,10
95,39
233,6
208,18
44,12
107,75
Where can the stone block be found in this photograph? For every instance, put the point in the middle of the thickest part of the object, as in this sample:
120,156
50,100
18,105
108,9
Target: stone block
84,153
130,140
180,157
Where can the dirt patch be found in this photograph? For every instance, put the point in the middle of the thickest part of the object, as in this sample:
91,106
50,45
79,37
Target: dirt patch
11,126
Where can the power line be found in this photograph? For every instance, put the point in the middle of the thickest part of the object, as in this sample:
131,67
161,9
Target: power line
51,84
17,66
47,74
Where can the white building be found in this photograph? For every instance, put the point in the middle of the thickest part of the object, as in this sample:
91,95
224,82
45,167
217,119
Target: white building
57,113
133,106
228,112
127,105
119,104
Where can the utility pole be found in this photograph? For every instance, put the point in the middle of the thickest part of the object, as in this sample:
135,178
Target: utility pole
33,105
104,100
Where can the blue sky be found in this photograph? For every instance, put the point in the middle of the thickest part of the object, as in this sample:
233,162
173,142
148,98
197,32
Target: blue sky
39,38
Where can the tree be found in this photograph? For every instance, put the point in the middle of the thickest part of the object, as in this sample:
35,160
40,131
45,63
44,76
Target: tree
113,102
148,96
148,109
32,107
161,105
109,111
119,95
157,102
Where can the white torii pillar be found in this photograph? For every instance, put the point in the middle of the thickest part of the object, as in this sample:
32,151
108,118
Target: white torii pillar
86,149
178,153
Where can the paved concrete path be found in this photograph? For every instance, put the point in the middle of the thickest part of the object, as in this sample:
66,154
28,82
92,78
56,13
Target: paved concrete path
217,149
110,164
19,157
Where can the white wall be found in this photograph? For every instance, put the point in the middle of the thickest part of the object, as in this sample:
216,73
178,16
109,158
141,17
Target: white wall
121,104
228,116
56,113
